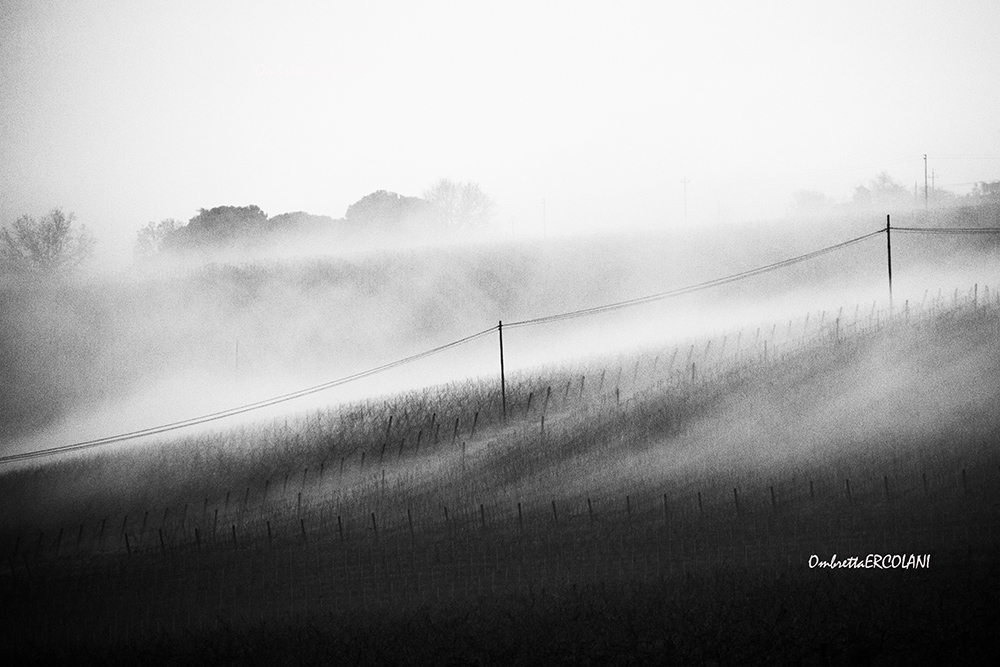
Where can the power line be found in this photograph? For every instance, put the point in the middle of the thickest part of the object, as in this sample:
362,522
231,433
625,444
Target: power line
618,305
948,230
231,412
195,421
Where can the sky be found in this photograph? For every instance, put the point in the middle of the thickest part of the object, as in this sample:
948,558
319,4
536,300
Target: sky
572,115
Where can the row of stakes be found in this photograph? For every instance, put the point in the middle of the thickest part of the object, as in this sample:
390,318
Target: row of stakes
449,521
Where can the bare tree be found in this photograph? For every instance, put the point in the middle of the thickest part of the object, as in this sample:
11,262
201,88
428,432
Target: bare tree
49,245
461,204
149,240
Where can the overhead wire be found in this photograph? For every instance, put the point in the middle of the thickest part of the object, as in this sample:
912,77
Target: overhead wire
231,412
947,230
618,305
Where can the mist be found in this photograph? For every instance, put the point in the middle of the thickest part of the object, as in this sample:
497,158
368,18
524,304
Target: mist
178,336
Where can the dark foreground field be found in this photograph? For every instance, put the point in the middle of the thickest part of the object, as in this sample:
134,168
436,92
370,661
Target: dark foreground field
675,526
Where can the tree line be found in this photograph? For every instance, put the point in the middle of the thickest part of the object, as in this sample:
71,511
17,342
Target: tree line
54,244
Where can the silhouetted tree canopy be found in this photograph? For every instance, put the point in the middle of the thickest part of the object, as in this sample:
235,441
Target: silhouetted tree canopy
48,245
218,227
384,208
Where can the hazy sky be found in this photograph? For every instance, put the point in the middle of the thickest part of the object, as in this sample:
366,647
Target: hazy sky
127,112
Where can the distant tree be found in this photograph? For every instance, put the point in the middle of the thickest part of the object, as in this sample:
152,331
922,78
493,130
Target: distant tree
300,222
149,240
883,192
460,205
988,190
810,202
884,187
387,209
219,227
49,245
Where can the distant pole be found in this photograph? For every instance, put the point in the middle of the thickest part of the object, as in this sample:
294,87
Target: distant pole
925,182
503,381
888,253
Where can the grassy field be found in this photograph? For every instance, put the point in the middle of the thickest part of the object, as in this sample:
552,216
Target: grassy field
629,511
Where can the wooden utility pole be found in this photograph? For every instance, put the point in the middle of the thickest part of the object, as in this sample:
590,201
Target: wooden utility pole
503,381
888,253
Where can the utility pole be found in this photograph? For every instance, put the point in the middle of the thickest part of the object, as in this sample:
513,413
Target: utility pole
925,182
503,382
888,254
